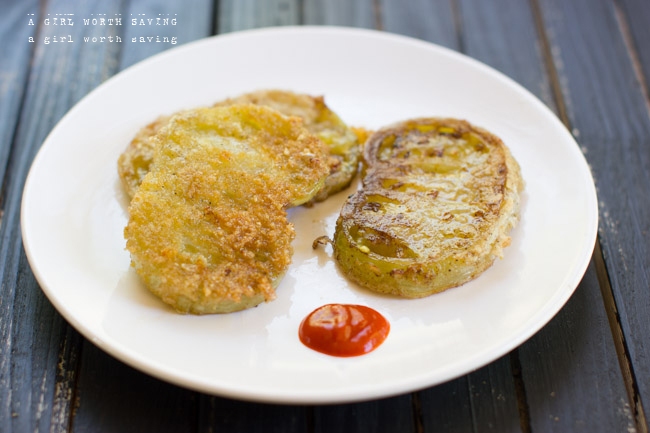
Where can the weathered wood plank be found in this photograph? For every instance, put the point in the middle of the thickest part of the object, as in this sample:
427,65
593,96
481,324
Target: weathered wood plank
186,22
360,13
234,15
484,400
221,414
110,395
634,18
607,110
38,391
394,414
38,341
39,351
433,21
572,376
447,407
515,51
15,52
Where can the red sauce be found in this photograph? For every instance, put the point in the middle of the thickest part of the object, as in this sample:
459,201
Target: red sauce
343,330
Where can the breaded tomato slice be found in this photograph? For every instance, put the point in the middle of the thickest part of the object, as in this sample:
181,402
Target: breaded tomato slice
207,230
343,143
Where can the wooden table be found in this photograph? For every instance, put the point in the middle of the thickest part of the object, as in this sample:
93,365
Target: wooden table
587,370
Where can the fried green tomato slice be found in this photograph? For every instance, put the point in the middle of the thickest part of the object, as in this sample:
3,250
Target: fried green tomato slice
342,142
208,230
435,209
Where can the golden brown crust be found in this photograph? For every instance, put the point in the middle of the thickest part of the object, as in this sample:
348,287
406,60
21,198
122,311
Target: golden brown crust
133,164
207,229
438,201
342,141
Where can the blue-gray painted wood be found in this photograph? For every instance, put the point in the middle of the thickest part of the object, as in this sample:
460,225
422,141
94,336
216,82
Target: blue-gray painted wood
187,22
515,50
433,21
235,15
634,18
394,414
110,396
608,112
571,370
51,379
15,51
360,13
221,414
38,347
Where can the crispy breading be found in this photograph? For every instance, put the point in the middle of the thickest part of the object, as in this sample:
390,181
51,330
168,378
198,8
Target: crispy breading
342,142
207,230
133,164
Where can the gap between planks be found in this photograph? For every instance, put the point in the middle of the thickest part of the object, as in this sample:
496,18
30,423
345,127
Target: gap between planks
214,18
520,392
378,14
619,341
416,404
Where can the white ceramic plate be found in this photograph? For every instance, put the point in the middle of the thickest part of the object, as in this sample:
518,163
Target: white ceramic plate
74,212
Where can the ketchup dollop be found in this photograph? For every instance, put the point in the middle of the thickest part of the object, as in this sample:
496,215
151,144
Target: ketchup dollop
343,330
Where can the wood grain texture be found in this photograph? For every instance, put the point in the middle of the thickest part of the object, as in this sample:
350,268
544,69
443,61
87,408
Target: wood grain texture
634,18
482,401
387,415
51,379
571,371
360,13
513,50
523,62
516,52
447,407
225,415
608,113
433,21
40,351
16,52
112,397
37,345
109,395
234,15
194,20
